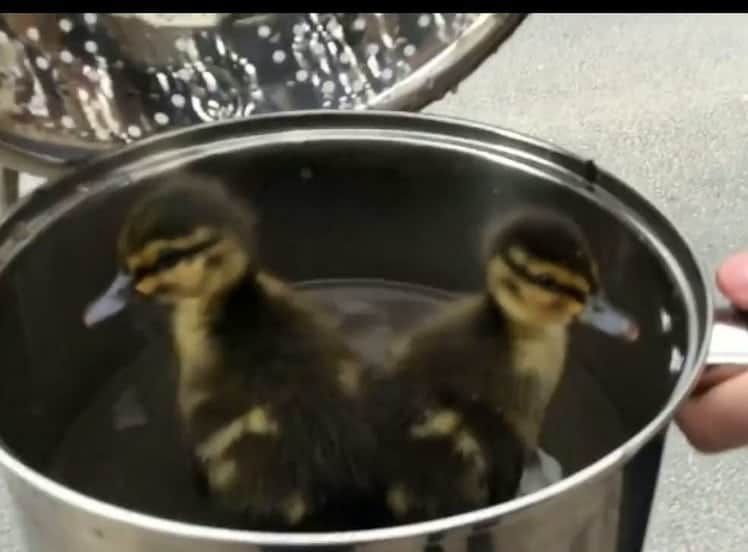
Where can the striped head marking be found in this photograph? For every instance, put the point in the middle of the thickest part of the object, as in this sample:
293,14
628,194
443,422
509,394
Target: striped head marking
187,239
540,271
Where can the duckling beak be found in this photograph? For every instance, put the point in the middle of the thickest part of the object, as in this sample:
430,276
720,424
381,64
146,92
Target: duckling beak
109,303
600,314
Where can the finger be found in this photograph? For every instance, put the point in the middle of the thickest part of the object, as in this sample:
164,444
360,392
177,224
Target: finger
716,375
732,279
717,420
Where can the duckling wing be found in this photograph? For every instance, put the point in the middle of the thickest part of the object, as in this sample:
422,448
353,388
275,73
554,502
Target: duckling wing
287,459
502,448
301,373
442,456
445,447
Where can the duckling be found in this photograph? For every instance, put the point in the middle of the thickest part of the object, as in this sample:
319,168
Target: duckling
461,406
267,392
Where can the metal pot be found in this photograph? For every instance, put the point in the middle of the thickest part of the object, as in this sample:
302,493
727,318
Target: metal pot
77,84
354,199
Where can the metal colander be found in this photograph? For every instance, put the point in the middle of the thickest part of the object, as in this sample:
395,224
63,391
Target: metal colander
74,84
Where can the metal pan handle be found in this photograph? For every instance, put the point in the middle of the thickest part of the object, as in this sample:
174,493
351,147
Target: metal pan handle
729,344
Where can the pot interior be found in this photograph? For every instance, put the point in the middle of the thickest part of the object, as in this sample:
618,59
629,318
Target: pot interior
93,408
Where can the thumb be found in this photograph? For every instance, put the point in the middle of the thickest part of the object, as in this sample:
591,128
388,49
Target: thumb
732,279
718,419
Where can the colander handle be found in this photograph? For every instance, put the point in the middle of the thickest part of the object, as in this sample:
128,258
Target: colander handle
729,343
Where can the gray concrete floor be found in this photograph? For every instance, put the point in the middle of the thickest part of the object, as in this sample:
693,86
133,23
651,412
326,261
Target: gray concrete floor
662,102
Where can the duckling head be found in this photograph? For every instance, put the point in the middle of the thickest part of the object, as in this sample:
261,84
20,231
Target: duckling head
540,272
185,240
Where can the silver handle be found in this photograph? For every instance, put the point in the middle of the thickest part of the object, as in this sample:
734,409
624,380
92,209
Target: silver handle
729,344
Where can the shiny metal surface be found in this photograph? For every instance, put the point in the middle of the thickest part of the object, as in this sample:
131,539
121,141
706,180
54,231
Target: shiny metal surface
9,189
438,181
589,525
75,84
729,342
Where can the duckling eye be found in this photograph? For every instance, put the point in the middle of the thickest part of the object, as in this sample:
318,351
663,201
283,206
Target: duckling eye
168,260
213,261
510,285
165,261
172,257
545,280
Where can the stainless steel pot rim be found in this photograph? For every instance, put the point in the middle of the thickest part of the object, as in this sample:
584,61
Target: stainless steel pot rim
56,152
696,357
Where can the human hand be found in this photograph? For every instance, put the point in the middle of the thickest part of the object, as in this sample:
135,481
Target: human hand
715,417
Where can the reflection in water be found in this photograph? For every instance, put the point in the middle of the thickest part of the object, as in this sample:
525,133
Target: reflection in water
128,412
